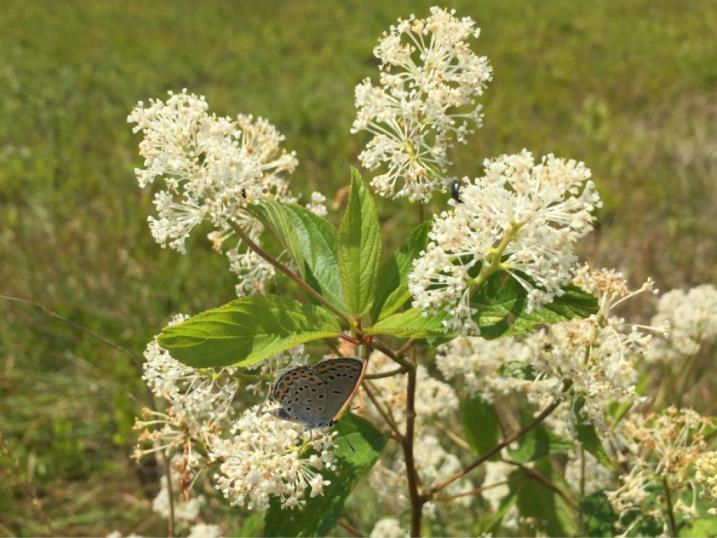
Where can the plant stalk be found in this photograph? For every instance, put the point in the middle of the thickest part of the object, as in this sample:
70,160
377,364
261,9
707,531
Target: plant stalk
407,443
670,508
288,272
496,449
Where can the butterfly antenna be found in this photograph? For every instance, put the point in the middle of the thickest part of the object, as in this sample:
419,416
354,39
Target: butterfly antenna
346,438
349,443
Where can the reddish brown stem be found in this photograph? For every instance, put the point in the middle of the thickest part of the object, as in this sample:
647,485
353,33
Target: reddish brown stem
495,450
384,415
389,373
535,475
407,443
383,348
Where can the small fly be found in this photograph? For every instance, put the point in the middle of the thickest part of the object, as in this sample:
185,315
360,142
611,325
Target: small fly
456,191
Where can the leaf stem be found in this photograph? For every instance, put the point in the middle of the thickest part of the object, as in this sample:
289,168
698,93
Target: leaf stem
398,371
353,531
288,272
496,449
383,348
381,411
535,475
474,491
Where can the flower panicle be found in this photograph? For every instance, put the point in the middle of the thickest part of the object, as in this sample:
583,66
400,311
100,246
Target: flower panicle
426,99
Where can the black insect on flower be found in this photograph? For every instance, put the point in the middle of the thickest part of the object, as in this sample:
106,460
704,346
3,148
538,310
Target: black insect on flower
455,191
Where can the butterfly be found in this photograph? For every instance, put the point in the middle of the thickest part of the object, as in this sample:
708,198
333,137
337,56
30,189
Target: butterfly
318,396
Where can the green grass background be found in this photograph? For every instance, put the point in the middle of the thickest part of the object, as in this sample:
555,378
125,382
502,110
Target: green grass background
627,86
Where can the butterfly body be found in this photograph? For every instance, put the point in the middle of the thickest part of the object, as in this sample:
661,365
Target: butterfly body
317,396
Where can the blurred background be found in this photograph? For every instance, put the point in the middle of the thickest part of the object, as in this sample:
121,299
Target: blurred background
629,87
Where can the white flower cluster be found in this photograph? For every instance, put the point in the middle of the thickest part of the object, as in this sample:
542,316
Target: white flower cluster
479,365
199,402
692,320
596,356
184,510
495,488
660,448
520,217
205,530
257,454
429,83
388,528
706,477
211,167
598,362
264,457
495,482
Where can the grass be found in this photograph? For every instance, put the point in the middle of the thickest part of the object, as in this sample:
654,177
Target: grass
628,87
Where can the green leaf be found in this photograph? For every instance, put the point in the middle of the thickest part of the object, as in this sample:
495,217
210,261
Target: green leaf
551,511
537,444
275,217
246,331
359,248
597,517
489,522
588,436
501,303
358,446
392,291
704,526
409,324
311,242
480,424
252,526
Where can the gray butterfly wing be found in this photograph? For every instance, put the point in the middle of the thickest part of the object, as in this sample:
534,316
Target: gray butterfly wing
340,378
302,395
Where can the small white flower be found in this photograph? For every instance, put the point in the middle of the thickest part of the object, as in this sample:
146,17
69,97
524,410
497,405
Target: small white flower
706,475
388,528
477,364
317,205
199,404
522,217
430,81
661,446
263,458
183,510
211,167
495,487
691,318
204,530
